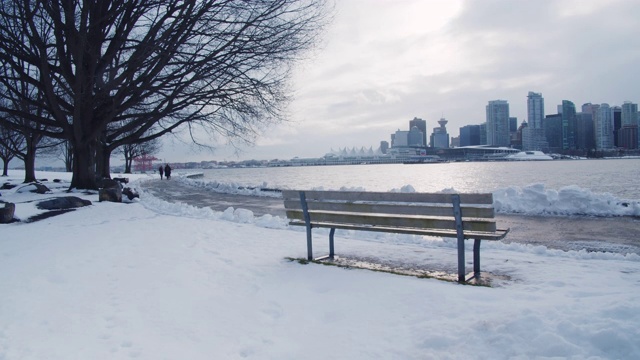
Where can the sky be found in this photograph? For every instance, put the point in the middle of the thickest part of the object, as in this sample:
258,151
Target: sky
381,63
166,280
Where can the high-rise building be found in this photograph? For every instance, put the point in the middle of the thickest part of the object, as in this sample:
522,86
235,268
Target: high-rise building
440,137
533,136
616,113
568,125
603,123
416,137
470,135
535,110
422,126
585,140
629,113
628,134
498,123
553,132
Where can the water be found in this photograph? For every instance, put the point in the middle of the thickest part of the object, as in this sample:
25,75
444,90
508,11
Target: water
619,177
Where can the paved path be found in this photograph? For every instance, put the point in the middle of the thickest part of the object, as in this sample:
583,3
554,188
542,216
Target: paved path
620,234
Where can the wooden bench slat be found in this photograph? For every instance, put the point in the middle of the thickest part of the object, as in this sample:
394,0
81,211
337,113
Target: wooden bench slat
387,208
387,196
409,221
497,235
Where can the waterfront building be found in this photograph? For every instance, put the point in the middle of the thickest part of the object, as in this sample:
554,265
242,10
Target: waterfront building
422,126
440,137
483,133
498,123
585,138
568,125
470,135
630,121
553,132
533,136
384,146
415,137
616,113
629,113
603,123
400,139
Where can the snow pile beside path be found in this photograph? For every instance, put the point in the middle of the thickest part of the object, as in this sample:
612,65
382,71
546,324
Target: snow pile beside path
571,200
230,188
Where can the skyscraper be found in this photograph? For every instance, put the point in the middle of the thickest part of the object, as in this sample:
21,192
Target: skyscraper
422,126
535,110
628,135
569,124
498,123
629,113
603,123
533,136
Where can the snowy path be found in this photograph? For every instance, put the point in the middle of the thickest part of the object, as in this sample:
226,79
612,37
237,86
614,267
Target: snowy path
613,234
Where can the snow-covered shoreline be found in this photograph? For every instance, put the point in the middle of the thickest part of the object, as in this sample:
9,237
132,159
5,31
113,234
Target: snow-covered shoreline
157,280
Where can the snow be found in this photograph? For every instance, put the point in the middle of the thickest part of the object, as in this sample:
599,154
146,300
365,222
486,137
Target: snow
155,280
534,199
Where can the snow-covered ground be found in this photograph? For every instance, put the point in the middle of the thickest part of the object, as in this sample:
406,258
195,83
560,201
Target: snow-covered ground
154,280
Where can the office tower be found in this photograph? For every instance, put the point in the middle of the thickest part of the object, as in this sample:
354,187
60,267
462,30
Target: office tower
585,139
628,134
415,138
483,133
498,123
533,136
616,113
422,126
603,123
513,125
384,146
568,125
535,110
470,135
400,139
440,137
553,132
629,113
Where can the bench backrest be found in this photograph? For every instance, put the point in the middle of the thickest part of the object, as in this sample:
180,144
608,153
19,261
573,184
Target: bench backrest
411,210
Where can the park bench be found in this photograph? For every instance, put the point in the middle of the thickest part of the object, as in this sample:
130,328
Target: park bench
461,216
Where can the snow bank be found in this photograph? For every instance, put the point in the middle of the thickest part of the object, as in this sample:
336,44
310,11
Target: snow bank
535,199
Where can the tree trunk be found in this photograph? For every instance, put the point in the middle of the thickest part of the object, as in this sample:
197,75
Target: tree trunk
84,173
30,160
5,167
103,160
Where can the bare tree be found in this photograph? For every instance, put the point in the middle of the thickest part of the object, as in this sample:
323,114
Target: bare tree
9,141
221,65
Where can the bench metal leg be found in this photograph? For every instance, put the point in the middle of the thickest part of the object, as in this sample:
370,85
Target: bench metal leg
476,258
457,213
331,251
307,220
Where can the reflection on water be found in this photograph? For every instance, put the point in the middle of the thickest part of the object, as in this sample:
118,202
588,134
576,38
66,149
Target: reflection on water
619,177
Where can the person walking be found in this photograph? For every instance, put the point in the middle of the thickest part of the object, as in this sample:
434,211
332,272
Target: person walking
167,172
160,170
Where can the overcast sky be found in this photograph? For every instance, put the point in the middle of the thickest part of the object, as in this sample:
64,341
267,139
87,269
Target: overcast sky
383,62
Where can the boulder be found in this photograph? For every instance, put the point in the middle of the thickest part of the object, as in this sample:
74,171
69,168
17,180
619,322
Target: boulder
34,187
110,194
109,184
122,180
7,212
62,203
131,193
7,186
